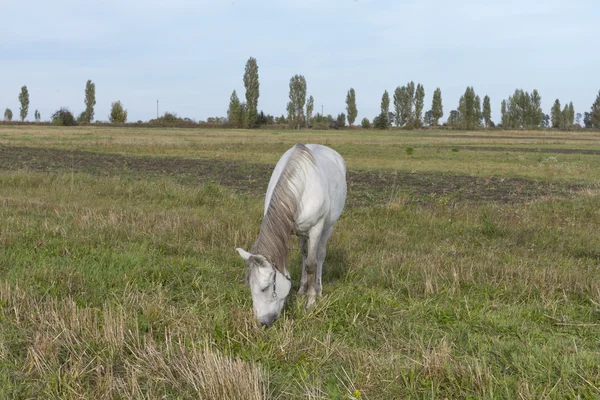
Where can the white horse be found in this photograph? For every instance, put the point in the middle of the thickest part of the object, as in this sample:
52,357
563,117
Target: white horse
306,196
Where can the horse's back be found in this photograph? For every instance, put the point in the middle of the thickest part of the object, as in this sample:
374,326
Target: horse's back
324,185
332,169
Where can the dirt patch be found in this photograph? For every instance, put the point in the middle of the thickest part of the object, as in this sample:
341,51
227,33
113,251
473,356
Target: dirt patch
521,149
365,187
447,188
541,137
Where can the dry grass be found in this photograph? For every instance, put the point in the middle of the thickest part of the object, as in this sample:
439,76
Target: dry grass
83,352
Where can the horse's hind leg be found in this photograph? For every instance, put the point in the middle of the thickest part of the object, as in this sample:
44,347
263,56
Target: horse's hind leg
321,253
304,252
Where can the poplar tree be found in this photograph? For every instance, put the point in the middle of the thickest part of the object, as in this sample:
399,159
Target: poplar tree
419,104
556,114
297,101
252,91
436,107
385,107
595,112
24,100
351,106
571,114
233,112
487,111
399,117
477,115
310,106
382,121
90,100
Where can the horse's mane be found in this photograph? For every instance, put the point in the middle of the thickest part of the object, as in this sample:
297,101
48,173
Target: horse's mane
278,223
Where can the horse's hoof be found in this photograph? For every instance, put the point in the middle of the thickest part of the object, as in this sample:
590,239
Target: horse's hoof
311,301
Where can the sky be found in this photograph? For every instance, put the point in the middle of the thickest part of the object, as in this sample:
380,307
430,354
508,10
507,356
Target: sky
190,54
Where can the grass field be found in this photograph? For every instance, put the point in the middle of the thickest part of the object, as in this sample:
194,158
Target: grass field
466,265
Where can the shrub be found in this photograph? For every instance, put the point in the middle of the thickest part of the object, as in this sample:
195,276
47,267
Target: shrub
341,120
334,125
118,115
8,114
365,123
63,117
82,118
171,119
380,121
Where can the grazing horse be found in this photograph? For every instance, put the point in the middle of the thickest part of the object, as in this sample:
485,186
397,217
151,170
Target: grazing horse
306,196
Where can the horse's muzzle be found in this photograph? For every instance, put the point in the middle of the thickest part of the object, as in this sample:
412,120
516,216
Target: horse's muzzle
267,320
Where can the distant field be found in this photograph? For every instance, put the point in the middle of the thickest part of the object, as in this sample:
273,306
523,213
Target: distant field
466,265
539,155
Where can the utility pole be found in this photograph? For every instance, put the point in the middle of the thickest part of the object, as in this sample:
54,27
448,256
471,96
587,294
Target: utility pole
156,108
322,110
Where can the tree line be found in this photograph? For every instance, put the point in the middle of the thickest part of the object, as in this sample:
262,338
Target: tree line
64,116
522,110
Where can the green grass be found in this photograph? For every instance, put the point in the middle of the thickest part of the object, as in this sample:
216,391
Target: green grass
119,287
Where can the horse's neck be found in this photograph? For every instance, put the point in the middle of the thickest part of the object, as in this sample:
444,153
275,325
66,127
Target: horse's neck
281,213
273,241
277,226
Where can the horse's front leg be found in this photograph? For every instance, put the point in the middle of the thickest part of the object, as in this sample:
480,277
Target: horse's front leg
311,262
321,253
304,253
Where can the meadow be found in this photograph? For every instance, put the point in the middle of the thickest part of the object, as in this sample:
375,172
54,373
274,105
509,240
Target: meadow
466,265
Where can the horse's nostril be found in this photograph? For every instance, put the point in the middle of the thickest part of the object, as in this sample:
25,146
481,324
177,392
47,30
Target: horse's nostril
267,320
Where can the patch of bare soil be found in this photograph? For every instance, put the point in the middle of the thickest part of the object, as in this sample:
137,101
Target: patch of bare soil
541,137
522,149
364,187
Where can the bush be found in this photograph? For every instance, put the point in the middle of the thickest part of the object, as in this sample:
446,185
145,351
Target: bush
265,119
341,120
82,118
334,125
118,115
365,123
380,122
323,122
171,119
63,117
409,151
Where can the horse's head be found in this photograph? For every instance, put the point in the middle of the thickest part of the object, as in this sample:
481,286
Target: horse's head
268,285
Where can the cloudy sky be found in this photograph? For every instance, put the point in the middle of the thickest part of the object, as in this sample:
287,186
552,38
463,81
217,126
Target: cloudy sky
190,54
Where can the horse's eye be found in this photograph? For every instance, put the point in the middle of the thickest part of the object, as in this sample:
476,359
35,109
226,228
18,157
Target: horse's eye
265,289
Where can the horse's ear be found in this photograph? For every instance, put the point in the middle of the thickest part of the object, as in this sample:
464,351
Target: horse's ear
244,254
259,260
